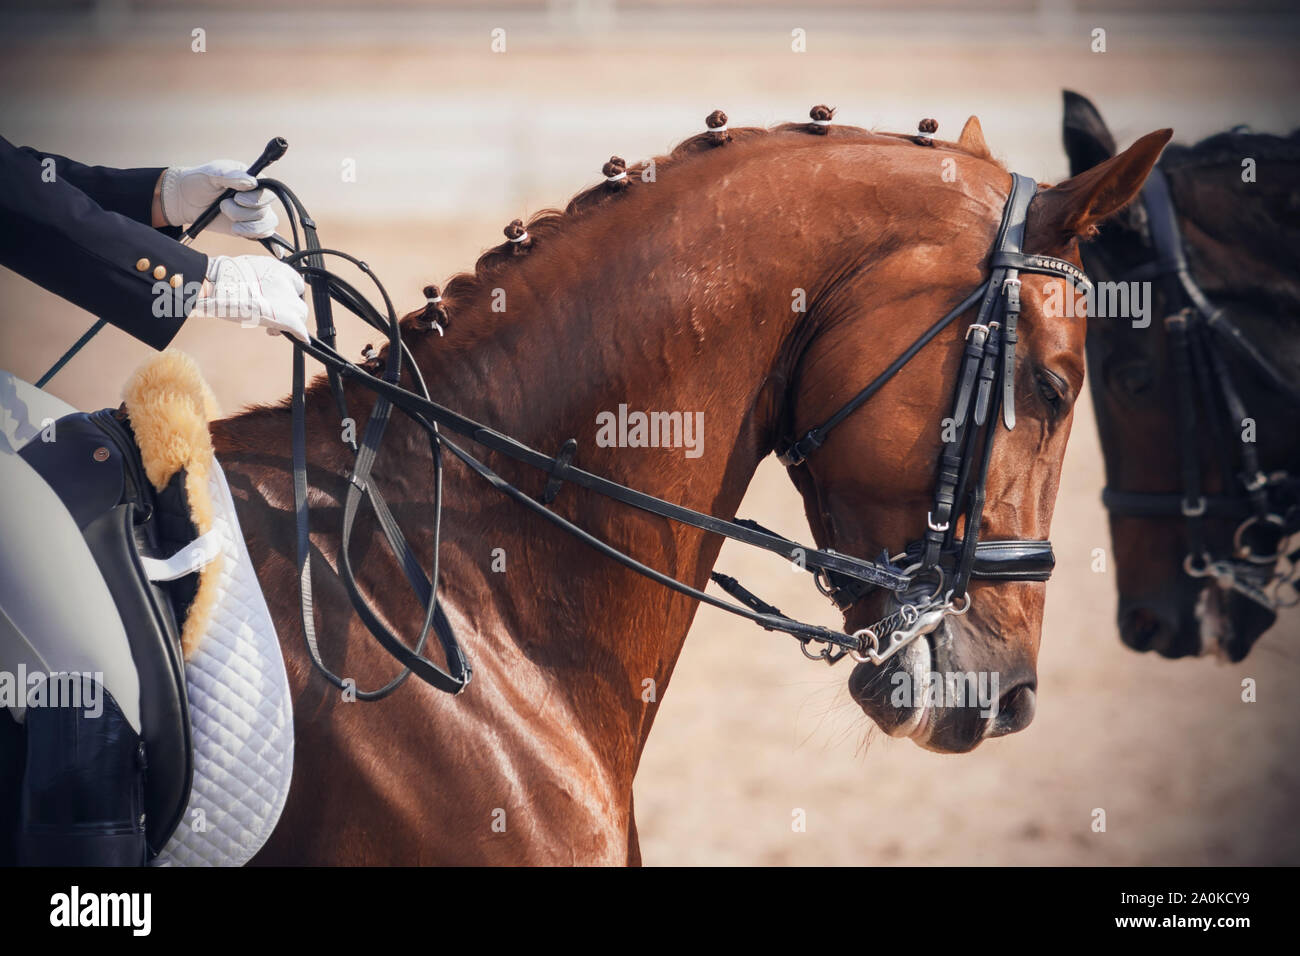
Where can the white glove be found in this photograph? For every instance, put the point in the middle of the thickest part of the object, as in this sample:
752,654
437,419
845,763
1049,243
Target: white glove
189,190
255,290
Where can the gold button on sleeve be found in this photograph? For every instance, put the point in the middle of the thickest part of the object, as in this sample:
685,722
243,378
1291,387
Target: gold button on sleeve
176,281
142,265
159,272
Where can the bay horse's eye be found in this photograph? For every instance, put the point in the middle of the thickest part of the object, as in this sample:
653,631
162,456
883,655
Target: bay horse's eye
1134,378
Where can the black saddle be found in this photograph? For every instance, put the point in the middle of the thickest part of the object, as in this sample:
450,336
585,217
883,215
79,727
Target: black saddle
94,466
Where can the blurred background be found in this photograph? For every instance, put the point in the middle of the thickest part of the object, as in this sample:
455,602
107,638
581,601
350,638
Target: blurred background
450,140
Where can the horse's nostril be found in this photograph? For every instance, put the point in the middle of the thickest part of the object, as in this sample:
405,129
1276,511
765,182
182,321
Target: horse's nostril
1143,629
1015,710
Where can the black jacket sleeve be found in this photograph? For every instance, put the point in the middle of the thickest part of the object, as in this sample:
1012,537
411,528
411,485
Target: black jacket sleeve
82,233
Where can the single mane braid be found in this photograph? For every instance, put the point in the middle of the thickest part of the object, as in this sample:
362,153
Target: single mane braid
717,124
520,240
821,119
925,132
615,172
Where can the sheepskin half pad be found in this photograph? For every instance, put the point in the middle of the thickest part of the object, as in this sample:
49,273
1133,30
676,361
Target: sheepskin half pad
239,700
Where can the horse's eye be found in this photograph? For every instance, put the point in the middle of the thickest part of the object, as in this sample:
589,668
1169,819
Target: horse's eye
1133,378
1050,390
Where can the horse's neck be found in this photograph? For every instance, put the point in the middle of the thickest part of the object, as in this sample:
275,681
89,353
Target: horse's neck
681,297
621,360
1249,256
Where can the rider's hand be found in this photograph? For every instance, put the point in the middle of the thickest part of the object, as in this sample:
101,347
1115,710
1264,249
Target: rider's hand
186,191
254,290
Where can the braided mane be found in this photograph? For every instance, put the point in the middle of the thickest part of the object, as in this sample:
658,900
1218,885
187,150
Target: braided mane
465,286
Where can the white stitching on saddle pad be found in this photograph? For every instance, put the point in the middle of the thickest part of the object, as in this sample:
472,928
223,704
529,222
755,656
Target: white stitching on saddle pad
241,713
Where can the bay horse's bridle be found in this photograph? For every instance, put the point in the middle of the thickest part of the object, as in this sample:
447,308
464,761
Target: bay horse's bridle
1266,506
940,563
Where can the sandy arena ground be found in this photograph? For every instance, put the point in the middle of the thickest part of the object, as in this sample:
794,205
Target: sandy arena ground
451,145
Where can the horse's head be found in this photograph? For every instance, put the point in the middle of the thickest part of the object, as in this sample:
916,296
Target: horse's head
1241,235
871,485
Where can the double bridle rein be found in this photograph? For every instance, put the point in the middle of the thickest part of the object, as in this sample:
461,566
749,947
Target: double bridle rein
1266,506
939,566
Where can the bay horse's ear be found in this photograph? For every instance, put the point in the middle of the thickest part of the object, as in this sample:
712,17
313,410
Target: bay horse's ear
1074,207
972,139
1087,138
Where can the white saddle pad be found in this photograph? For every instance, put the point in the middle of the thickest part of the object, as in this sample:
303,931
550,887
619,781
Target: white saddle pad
241,713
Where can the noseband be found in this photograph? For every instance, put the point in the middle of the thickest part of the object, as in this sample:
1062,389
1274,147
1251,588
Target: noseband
940,564
1266,506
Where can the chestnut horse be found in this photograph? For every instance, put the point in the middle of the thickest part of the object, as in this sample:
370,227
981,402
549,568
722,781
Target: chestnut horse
672,294
1242,239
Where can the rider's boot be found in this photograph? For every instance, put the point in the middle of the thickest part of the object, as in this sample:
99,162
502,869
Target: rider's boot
82,800
12,756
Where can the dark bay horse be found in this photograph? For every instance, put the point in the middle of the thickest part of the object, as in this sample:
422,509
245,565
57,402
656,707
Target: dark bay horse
1236,196
673,294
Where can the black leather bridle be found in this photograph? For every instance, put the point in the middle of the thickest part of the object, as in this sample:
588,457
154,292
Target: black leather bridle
1266,506
985,386
937,558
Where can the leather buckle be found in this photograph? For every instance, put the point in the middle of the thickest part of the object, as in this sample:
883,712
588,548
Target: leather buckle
555,481
797,452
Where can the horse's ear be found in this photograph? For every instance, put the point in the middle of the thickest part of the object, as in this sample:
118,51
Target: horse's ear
1087,138
1074,207
972,139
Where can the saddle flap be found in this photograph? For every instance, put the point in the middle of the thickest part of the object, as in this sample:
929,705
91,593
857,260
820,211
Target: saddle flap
96,470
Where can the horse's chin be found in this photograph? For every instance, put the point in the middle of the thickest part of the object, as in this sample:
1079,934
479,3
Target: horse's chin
1212,620
874,690
872,687
936,723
